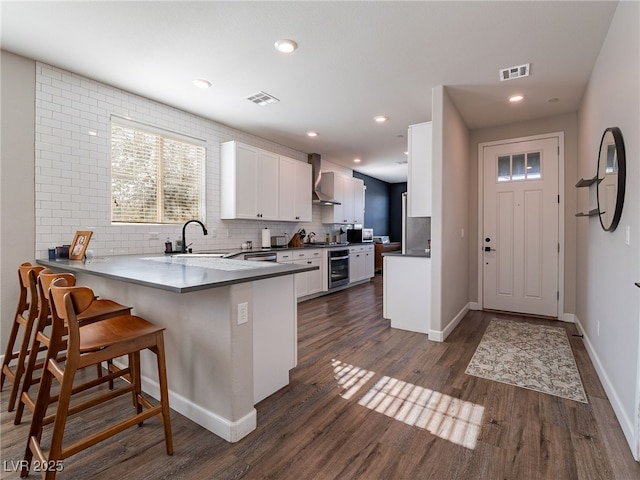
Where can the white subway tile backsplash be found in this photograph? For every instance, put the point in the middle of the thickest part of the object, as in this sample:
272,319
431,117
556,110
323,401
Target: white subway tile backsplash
72,168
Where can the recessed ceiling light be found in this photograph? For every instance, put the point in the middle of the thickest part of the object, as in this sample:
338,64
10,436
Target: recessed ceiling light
406,153
286,46
201,83
357,160
516,98
380,118
312,134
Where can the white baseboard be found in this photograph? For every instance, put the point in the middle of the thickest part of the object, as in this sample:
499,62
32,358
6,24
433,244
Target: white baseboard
441,335
474,306
223,427
567,317
625,422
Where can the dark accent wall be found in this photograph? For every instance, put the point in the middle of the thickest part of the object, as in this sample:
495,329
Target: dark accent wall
395,210
376,212
383,206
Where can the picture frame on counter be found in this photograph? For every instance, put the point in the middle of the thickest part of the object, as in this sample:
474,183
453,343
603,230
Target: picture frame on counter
79,244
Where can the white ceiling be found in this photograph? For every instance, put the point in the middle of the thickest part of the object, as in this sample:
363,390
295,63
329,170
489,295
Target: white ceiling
355,60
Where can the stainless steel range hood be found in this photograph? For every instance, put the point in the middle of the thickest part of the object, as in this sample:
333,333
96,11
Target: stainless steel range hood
319,198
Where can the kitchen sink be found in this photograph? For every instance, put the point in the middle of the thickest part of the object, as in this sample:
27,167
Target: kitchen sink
201,254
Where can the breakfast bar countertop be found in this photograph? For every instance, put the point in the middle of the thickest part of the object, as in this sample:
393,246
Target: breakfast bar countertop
180,274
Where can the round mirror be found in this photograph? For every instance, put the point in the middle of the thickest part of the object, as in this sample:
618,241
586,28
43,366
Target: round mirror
612,170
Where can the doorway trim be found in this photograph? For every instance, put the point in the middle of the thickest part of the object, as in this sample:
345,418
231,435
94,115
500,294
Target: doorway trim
561,215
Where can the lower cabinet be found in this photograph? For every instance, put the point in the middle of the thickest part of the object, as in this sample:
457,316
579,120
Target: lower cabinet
307,283
361,263
407,292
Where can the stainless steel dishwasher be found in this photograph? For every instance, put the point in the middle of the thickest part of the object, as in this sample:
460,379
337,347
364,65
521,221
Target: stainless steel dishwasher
261,257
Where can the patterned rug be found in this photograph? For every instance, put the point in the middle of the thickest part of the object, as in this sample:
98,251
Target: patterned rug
537,357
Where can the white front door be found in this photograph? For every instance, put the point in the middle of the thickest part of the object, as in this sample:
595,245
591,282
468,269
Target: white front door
520,227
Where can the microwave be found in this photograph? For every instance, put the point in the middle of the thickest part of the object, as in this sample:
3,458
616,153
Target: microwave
360,235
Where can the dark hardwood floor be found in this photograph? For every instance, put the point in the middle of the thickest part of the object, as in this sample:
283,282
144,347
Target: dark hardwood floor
343,416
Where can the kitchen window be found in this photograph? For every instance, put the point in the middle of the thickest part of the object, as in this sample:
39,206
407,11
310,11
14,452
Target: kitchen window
156,176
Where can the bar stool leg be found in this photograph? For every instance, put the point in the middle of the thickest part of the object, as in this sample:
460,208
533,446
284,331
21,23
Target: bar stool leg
164,391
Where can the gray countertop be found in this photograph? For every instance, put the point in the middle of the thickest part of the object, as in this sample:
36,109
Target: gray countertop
177,274
410,253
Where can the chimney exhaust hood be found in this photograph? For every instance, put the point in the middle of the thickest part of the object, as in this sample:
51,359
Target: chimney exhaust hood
319,198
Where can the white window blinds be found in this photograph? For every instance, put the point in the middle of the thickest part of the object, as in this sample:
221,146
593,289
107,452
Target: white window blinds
155,177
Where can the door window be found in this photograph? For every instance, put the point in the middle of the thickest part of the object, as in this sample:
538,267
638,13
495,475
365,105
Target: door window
519,166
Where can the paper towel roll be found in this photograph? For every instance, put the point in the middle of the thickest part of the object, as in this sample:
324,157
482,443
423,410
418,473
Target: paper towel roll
266,238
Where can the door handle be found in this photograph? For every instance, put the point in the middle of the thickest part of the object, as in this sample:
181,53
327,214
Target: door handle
489,249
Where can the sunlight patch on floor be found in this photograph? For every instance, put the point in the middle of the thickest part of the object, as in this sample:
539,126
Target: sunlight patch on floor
350,378
449,418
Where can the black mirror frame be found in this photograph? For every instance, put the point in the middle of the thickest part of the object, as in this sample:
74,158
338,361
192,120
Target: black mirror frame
622,177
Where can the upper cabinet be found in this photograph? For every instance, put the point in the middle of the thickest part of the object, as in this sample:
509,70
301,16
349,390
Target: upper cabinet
261,185
295,190
349,191
420,176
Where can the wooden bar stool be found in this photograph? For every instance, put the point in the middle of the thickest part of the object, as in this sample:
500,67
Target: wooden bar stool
89,345
98,310
26,313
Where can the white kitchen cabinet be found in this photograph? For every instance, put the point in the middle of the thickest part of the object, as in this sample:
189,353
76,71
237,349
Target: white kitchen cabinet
419,180
248,182
407,292
369,265
307,283
349,191
361,263
294,199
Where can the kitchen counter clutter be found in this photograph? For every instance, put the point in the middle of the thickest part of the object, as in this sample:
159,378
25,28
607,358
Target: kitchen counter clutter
231,328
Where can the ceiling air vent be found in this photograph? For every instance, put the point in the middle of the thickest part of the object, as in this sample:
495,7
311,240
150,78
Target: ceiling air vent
262,99
514,72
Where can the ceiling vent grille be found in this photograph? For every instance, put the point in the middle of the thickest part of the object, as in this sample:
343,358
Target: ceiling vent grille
512,73
262,99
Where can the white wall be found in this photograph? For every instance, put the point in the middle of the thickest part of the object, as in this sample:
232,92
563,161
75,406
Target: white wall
450,220
17,229
606,267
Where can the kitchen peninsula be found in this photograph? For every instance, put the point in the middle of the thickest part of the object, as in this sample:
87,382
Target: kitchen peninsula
231,328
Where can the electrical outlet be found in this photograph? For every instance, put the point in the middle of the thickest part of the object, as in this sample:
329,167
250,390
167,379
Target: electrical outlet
243,313
598,328
154,236
213,232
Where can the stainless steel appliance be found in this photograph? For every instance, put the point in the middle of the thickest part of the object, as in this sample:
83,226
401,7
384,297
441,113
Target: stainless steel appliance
360,235
338,267
278,241
416,231
261,257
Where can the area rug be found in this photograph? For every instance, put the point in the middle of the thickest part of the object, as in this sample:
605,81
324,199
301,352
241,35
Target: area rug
537,357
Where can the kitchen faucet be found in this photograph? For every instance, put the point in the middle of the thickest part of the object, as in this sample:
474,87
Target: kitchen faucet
184,242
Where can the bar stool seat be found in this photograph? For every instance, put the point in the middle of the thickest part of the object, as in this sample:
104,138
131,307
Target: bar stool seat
97,311
87,345
24,318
